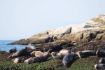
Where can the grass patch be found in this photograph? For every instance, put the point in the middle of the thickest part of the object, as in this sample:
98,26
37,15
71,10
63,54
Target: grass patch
84,64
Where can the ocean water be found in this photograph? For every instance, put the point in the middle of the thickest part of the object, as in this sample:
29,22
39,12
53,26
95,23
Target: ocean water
5,47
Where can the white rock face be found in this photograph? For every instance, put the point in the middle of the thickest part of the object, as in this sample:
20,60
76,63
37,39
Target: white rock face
59,32
77,28
95,23
66,30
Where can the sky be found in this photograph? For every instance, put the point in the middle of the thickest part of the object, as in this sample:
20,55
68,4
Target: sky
24,18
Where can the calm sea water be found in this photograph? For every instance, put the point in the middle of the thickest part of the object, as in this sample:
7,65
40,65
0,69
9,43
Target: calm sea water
5,47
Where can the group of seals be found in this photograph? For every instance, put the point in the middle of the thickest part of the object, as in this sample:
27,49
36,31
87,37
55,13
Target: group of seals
68,56
26,55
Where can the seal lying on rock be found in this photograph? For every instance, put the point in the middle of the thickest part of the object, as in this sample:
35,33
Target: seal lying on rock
86,53
54,55
36,59
39,53
99,66
102,60
13,50
30,60
63,52
68,59
41,56
23,52
18,60
100,52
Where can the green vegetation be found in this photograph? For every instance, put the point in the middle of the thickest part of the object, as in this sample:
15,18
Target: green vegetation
84,64
99,20
48,65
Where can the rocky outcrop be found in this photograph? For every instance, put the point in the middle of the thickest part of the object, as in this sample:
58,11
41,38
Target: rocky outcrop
97,22
93,30
50,35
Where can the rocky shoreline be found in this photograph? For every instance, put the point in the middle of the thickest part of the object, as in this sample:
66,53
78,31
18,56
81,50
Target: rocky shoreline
89,37
92,30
